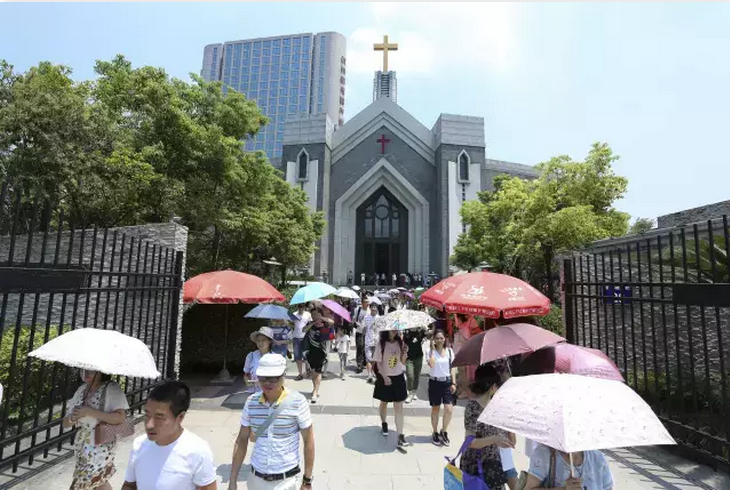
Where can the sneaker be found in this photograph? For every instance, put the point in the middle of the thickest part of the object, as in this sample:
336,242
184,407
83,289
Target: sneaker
314,399
371,380
384,429
342,376
415,397
445,439
409,399
436,439
402,441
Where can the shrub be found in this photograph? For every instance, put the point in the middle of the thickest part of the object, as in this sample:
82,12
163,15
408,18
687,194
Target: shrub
553,321
40,382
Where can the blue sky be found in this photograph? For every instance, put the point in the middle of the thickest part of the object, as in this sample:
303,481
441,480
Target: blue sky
652,80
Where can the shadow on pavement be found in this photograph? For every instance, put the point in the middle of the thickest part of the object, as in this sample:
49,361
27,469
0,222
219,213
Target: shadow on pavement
224,471
368,440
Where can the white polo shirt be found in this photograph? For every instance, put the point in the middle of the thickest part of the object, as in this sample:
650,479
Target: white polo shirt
277,450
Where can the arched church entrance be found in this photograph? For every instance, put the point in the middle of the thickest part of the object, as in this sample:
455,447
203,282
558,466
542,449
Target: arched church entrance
381,236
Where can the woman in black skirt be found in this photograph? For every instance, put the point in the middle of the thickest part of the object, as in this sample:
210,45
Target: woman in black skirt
390,386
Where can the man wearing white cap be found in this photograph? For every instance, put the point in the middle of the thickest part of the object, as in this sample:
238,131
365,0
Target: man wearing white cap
274,418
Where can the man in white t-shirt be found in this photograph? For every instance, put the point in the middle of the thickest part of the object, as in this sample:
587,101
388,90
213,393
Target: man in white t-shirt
167,456
304,318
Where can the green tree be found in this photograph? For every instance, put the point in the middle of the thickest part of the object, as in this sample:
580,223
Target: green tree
135,146
521,226
641,225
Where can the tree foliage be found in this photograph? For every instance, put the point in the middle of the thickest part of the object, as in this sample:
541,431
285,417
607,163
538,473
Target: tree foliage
642,225
522,225
137,146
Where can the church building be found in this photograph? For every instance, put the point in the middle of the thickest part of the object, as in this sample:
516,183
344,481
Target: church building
390,188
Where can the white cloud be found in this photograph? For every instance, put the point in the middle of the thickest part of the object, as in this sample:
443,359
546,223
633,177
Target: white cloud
438,36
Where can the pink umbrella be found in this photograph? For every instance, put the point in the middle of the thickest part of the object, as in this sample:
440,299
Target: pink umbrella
337,309
570,359
504,341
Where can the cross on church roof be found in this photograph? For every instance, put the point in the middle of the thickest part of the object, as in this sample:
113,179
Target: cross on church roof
385,47
383,141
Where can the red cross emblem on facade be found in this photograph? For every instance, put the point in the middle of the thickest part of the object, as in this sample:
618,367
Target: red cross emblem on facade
383,141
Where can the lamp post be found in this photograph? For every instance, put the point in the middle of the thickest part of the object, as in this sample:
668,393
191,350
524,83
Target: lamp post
273,263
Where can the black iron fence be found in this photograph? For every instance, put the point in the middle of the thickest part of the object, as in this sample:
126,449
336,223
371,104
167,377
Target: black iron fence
57,275
659,305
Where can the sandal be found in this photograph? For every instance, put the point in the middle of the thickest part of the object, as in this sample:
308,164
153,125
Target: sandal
299,378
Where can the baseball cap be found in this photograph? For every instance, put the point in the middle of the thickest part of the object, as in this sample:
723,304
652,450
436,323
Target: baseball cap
271,365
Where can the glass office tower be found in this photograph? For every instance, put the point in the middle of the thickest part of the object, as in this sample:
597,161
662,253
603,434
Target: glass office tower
286,76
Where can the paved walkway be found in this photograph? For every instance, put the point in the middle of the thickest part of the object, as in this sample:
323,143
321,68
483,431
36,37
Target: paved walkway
352,455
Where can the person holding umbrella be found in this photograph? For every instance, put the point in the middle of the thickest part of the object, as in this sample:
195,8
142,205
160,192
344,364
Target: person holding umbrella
487,439
390,386
98,400
590,467
317,333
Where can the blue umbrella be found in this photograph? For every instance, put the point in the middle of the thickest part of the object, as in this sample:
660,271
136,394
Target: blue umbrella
271,312
310,292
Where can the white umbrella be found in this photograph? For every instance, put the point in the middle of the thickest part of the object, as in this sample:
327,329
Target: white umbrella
400,320
107,351
574,413
346,293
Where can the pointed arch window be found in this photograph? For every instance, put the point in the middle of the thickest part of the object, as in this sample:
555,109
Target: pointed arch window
464,162
303,165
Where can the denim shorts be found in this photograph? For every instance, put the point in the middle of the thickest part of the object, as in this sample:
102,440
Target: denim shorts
510,473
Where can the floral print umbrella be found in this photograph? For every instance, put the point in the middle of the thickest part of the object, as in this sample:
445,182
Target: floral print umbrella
400,320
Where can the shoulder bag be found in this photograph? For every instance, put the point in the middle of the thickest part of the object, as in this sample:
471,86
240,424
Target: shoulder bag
107,433
549,482
457,479
261,429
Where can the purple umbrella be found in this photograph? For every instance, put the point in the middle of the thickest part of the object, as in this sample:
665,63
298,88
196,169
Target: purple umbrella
337,309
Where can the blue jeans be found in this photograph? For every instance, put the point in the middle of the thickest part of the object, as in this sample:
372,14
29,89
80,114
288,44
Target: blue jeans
298,354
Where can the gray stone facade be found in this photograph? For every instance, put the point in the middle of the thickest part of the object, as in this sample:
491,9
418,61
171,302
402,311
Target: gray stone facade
694,215
418,164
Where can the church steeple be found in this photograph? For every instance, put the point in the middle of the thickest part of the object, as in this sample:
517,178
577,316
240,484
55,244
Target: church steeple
385,83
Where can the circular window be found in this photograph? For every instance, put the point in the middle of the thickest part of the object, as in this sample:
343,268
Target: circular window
395,214
381,212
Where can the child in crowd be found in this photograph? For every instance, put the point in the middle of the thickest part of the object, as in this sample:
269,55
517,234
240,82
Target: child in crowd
342,342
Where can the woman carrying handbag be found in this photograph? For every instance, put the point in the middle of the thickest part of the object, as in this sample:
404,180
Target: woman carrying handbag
481,457
99,409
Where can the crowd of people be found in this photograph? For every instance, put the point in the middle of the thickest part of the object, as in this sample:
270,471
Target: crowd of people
169,457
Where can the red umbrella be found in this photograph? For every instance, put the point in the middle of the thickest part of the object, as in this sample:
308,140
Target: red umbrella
504,341
487,294
229,287
570,359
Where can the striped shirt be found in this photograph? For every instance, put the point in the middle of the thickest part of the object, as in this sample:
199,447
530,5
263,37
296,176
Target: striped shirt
277,450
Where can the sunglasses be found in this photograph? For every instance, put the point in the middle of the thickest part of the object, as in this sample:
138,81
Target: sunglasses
269,380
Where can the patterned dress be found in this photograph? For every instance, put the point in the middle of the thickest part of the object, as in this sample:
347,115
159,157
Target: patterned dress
94,462
491,462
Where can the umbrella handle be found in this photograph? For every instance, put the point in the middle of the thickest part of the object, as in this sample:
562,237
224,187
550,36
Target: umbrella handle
572,468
